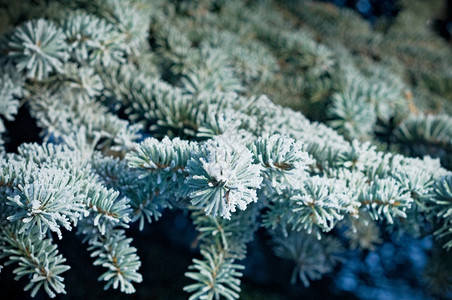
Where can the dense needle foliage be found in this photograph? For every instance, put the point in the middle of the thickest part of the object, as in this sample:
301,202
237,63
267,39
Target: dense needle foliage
295,118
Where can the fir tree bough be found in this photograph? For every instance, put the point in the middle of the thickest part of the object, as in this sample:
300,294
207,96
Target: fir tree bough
151,105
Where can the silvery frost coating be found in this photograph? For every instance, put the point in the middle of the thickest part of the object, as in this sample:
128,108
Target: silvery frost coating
146,107
11,83
222,179
38,47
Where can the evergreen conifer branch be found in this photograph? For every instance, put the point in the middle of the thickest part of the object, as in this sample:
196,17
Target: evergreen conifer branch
216,276
37,258
147,106
106,206
38,47
113,252
11,88
312,257
47,202
442,197
283,161
222,179
144,197
223,241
